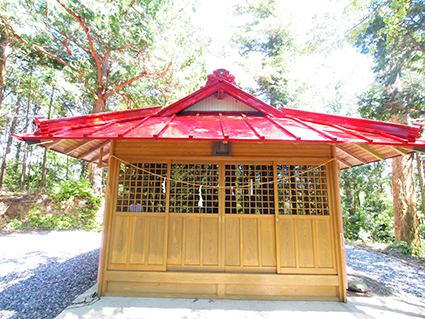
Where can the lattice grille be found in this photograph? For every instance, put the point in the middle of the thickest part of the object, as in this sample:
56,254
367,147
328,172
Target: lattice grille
302,190
249,189
184,189
139,190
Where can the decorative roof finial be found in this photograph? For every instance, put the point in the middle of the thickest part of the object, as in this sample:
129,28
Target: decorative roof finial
220,75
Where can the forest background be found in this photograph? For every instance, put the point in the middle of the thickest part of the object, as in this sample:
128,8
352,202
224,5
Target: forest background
61,58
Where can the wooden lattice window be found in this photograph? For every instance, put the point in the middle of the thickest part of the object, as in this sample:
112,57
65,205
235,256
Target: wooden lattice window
140,188
302,190
185,183
249,189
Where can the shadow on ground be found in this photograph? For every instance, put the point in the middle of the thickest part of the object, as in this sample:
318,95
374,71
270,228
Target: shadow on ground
50,288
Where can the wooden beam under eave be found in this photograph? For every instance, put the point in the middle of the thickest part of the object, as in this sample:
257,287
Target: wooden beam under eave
345,162
361,160
77,146
400,150
53,144
100,160
375,154
94,149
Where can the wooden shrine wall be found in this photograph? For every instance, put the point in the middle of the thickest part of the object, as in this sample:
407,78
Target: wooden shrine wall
289,250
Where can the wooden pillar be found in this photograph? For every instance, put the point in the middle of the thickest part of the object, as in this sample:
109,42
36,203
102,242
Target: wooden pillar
110,205
338,225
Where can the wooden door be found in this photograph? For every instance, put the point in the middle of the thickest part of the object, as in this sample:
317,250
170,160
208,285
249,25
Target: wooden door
194,234
304,232
249,227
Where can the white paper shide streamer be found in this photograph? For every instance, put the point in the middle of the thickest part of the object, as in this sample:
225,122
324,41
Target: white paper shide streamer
252,187
164,190
201,201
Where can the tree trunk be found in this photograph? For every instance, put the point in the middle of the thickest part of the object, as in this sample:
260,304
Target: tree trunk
4,41
95,174
24,160
18,152
9,144
29,169
406,223
83,169
43,171
420,167
99,105
24,168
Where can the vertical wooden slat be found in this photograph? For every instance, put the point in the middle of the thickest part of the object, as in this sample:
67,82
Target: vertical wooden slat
175,241
314,236
201,241
336,215
305,243
286,239
276,220
138,246
250,241
296,244
119,246
110,203
211,241
222,222
325,258
155,242
232,233
241,243
167,214
259,244
268,242
192,241
146,239
129,239
184,241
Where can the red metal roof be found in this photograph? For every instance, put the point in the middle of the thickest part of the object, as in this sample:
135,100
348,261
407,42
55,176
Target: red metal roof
231,114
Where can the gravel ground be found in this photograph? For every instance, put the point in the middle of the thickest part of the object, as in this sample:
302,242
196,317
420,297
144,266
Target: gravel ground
42,273
385,276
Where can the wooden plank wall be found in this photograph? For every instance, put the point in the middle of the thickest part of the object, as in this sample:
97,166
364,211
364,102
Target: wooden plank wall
292,152
221,285
306,245
250,243
138,242
193,242
188,255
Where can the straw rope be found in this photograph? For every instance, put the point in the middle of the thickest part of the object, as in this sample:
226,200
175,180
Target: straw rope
197,185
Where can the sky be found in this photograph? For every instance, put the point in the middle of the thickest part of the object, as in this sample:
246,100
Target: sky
344,66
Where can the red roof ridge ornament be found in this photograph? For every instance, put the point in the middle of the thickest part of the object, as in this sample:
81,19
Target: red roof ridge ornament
221,75
41,125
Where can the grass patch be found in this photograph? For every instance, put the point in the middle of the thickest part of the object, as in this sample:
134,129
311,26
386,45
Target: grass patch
71,206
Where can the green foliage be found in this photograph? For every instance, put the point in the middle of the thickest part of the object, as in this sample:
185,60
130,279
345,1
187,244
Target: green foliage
366,203
266,46
138,50
352,226
70,190
408,250
72,205
12,179
393,33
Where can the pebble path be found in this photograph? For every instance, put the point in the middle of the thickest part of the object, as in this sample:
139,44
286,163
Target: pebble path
42,273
